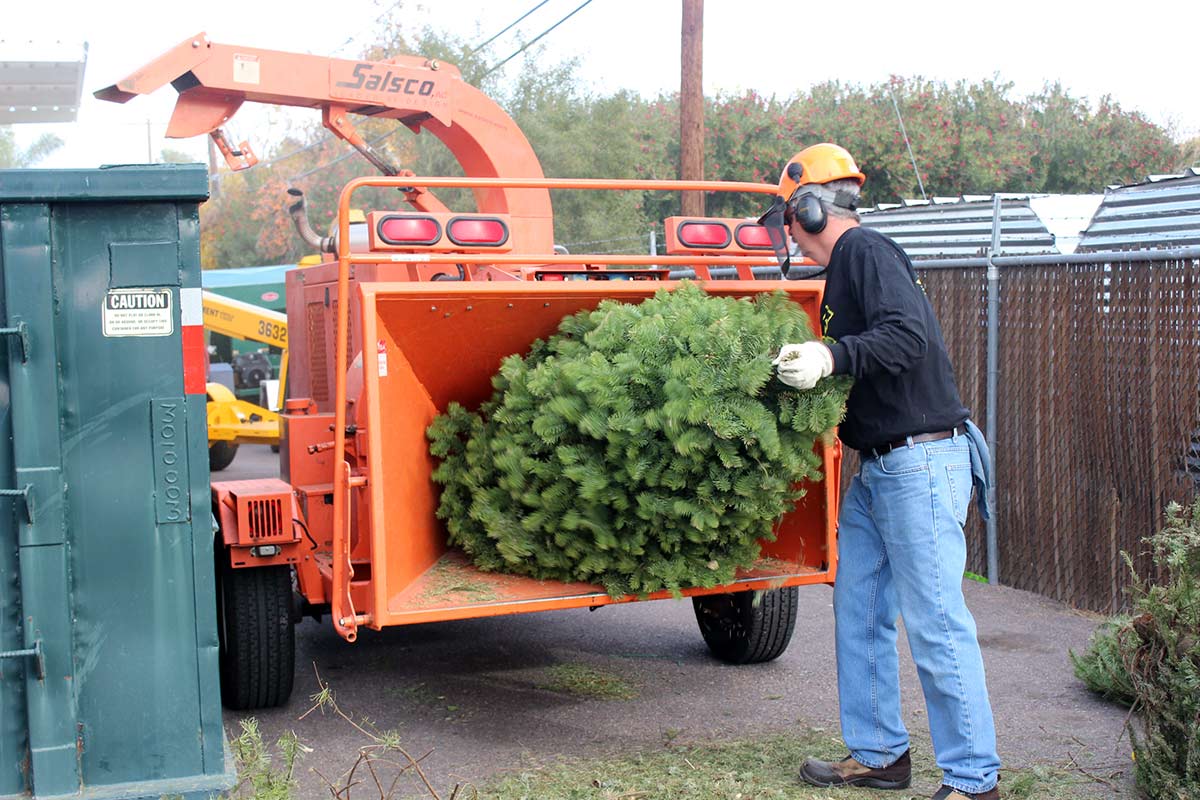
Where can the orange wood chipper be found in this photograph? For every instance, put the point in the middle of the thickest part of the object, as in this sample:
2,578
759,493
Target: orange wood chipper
414,309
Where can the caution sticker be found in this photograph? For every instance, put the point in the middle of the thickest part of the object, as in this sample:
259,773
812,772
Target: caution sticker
138,312
246,69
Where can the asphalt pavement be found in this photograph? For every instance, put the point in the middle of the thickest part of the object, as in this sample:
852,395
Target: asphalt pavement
473,691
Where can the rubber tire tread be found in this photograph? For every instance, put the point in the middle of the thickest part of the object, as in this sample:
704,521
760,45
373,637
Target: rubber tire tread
762,633
258,649
220,455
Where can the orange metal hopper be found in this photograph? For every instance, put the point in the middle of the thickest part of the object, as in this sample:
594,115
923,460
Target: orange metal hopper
440,342
421,344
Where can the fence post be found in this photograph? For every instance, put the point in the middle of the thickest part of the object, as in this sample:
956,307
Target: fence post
993,372
653,241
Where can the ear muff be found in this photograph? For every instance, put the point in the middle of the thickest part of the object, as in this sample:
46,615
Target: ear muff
806,209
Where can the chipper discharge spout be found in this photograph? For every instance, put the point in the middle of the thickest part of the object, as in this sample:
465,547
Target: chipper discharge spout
214,80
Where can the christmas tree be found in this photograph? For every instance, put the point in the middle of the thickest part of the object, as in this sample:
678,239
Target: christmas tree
642,447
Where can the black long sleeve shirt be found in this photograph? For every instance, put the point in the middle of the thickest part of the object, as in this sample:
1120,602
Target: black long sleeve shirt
881,329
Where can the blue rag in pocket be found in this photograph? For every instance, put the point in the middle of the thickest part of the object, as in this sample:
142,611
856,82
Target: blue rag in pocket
981,469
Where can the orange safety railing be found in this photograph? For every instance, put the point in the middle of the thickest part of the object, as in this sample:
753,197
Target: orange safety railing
345,620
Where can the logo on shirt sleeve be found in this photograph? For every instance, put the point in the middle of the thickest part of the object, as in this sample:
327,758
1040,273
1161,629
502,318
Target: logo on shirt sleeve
826,317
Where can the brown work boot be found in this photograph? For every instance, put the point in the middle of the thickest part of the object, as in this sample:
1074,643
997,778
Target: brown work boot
849,772
950,793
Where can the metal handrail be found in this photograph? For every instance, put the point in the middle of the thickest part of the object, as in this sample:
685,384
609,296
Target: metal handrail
35,652
21,331
1052,259
25,494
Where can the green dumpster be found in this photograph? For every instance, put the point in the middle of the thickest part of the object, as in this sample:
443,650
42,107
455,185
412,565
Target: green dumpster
108,639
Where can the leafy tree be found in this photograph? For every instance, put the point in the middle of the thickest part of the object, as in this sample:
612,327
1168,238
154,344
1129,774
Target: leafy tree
1189,154
966,138
170,155
12,156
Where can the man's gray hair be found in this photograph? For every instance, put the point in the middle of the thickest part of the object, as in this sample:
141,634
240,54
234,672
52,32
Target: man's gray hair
847,186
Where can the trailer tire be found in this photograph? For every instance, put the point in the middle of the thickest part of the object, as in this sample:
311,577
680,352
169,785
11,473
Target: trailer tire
220,455
738,630
255,624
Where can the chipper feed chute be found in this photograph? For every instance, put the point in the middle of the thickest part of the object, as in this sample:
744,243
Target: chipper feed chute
434,343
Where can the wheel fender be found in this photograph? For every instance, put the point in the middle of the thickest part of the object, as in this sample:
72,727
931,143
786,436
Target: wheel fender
219,392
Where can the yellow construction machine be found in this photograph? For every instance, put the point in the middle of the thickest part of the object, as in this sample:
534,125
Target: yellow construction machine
233,422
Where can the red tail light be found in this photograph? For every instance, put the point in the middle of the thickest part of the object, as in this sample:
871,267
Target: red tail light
477,232
405,230
752,237
704,234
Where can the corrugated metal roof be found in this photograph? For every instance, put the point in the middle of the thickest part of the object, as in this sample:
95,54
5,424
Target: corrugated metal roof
961,227
1161,212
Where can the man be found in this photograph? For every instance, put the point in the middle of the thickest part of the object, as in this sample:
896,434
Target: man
900,537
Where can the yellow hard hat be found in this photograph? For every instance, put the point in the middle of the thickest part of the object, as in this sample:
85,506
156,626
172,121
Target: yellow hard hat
818,163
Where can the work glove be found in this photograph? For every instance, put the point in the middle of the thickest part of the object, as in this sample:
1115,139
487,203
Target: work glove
802,365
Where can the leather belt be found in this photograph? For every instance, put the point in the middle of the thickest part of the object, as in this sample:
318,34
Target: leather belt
884,449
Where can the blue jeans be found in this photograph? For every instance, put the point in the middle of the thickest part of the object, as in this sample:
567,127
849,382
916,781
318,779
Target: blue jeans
902,552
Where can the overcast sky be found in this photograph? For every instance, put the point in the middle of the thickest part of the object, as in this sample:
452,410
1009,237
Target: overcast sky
1139,54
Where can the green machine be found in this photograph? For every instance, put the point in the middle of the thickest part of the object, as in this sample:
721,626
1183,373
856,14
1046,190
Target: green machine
108,633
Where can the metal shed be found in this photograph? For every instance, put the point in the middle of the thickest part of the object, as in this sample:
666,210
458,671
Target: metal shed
962,227
1161,212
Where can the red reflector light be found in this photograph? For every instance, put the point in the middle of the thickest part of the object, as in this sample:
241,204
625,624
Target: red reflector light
477,232
550,276
410,230
753,237
704,234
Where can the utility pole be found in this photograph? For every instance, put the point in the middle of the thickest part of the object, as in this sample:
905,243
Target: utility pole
214,185
691,105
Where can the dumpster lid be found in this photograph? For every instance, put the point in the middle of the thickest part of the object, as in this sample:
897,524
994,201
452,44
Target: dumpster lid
123,182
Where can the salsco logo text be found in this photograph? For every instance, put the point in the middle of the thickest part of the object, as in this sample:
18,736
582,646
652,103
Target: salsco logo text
371,81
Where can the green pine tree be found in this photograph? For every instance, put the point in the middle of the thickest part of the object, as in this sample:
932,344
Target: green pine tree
642,447
1162,661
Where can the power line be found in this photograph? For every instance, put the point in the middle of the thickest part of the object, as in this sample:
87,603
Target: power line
511,25
327,139
536,38
272,161
343,157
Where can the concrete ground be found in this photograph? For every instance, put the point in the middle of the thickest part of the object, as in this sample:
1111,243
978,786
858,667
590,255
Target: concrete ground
471,691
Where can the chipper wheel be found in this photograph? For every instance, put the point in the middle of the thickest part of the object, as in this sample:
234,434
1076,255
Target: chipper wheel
220,455
255,624
747,627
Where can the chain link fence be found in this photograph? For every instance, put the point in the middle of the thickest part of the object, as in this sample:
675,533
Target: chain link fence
1098,410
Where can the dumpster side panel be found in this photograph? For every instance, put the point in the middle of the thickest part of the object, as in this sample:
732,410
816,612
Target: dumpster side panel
208,669
42,546
126,424
14,741
113,581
